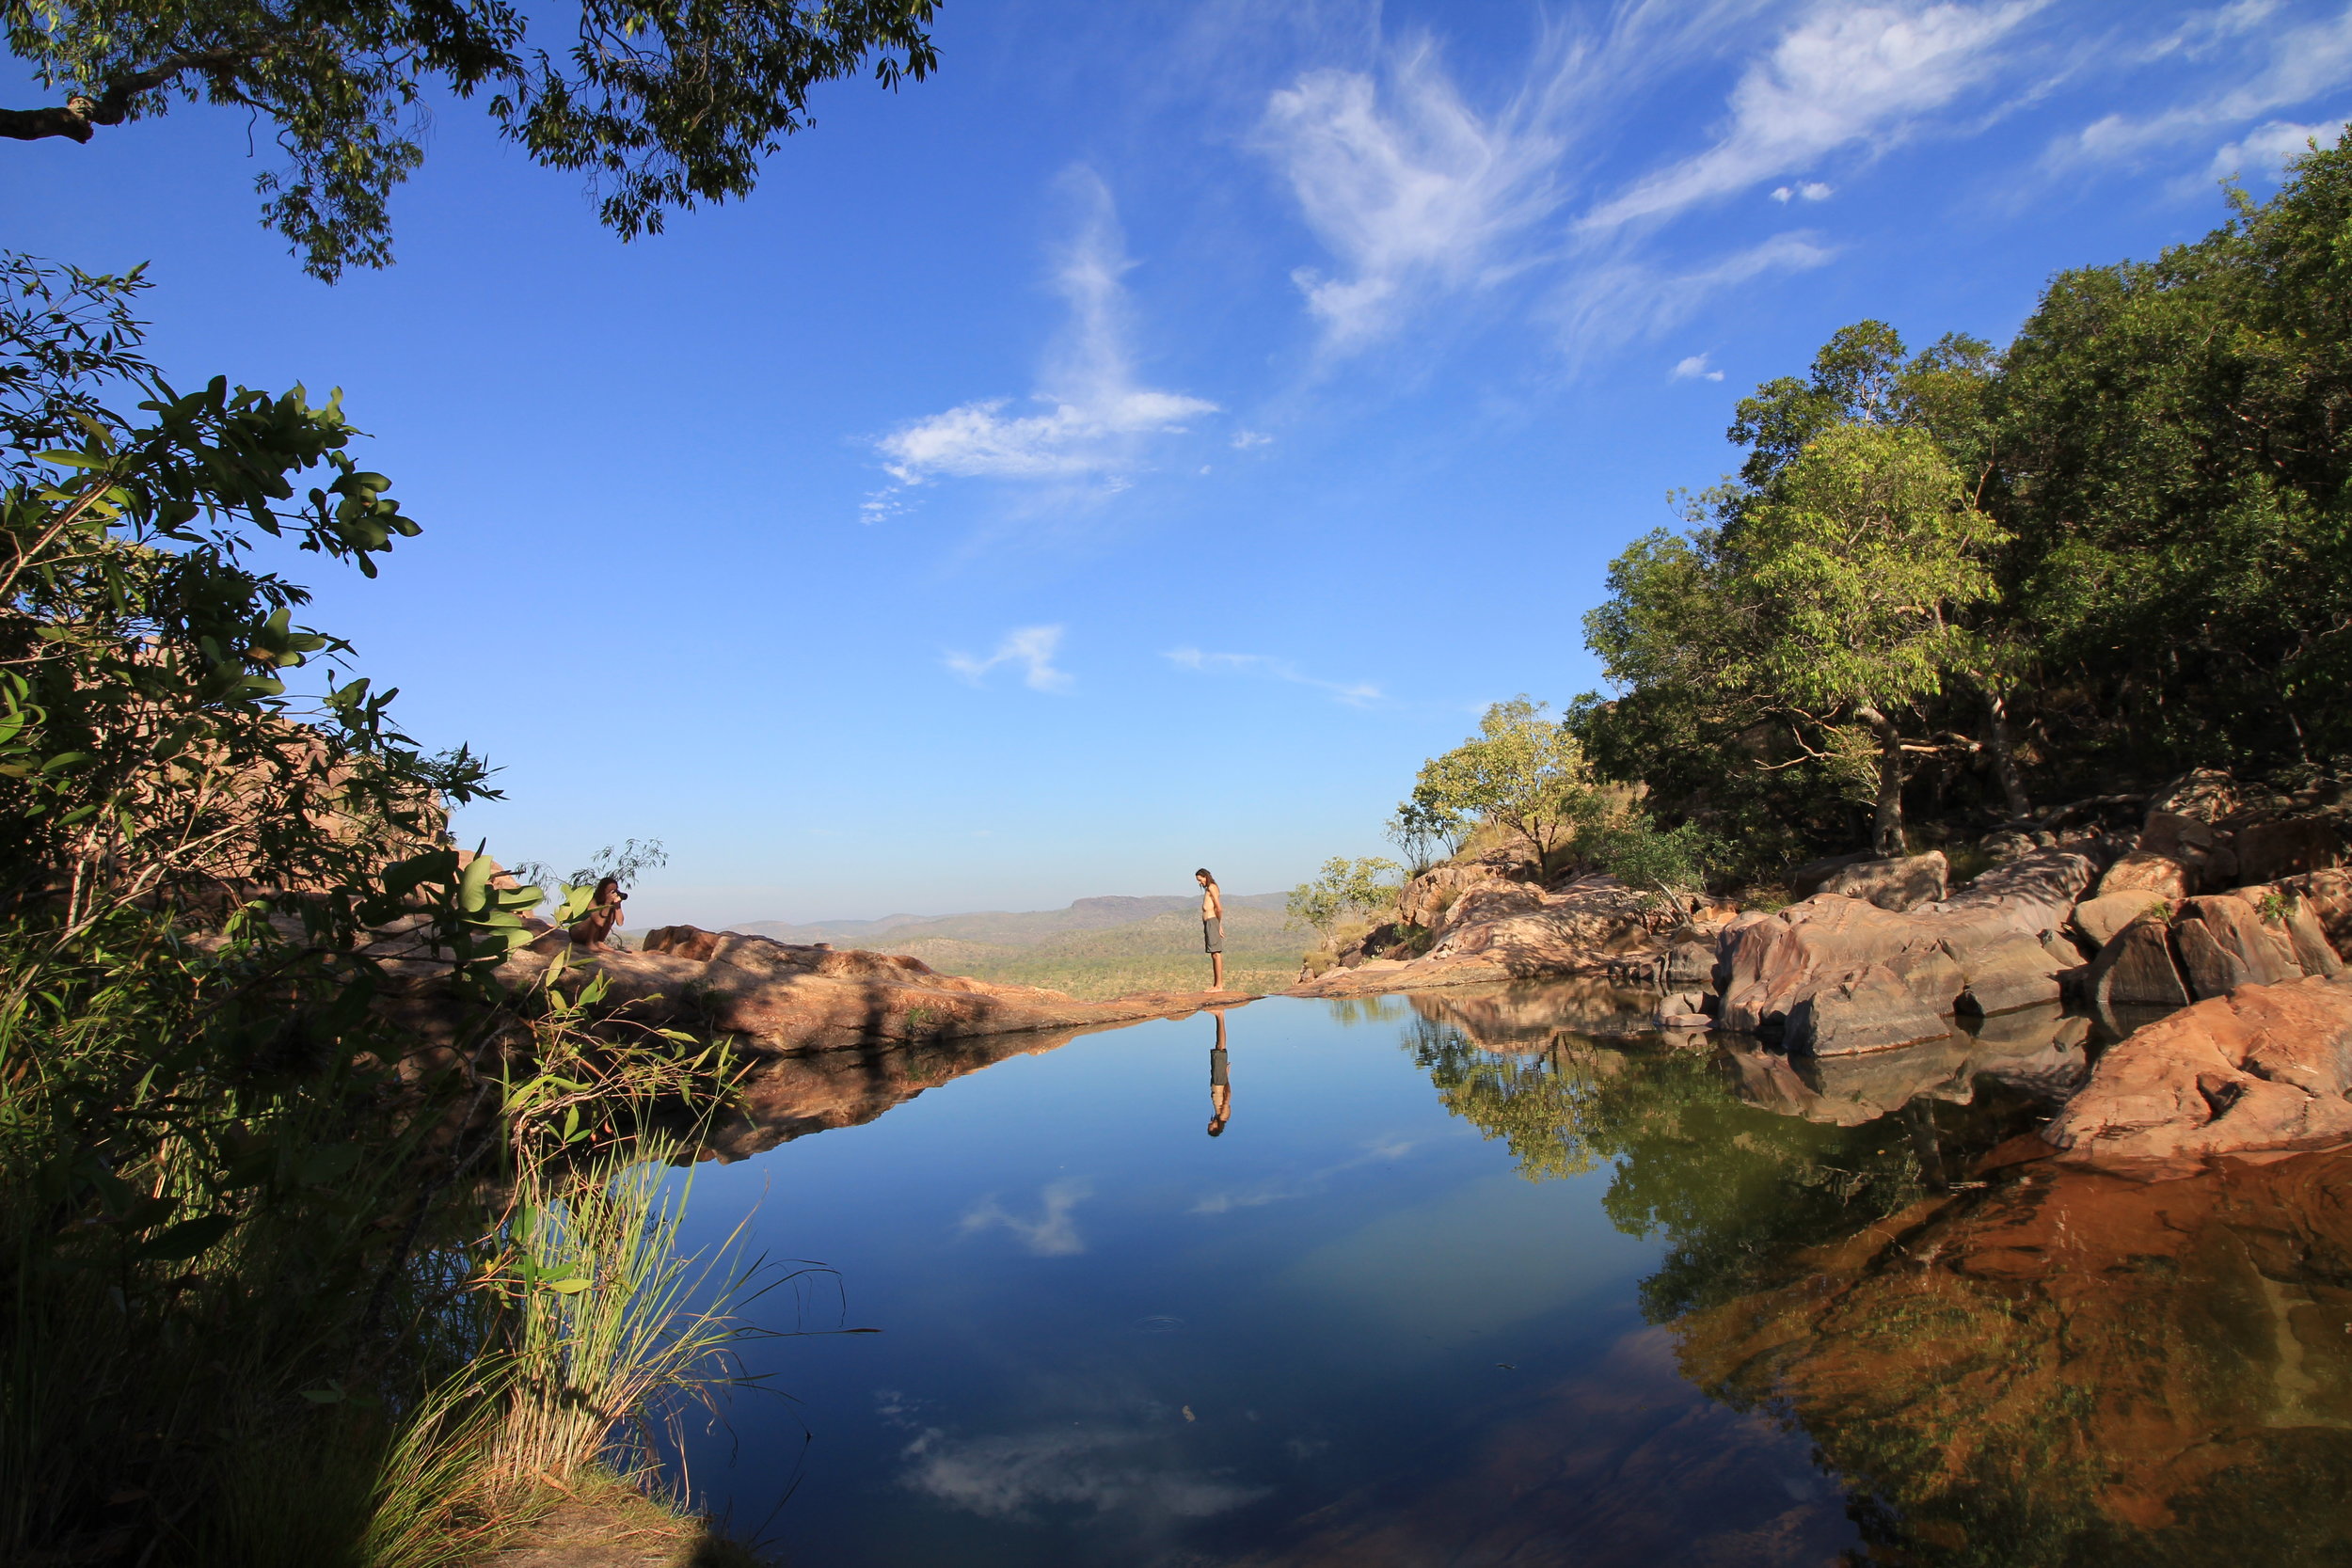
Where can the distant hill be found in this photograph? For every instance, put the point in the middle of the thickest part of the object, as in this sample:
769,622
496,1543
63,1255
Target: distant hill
1000,927
1096,947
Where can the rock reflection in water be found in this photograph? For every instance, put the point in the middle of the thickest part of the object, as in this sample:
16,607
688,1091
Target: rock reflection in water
2049,1366
2038,1052
2074,1367
790,1097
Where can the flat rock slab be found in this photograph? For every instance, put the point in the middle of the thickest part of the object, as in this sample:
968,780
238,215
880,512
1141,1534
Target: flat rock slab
2263,1068
776,997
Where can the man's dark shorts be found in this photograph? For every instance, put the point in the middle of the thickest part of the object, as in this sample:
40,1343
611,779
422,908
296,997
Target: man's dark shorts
1213,936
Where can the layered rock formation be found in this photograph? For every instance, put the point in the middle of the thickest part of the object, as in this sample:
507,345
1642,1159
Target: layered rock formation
1836,975
1484,927
773,997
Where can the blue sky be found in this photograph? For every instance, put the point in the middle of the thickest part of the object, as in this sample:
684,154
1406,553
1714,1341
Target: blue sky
1141,445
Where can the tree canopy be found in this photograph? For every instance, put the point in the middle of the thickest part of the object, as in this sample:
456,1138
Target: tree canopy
660,105
2117,549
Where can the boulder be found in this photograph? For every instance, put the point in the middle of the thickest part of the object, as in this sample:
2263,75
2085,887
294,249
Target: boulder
2009,844
1689,965
2263,950
2009,969
2263,1068
1871,1010
2328,894
2183,837
1426,901
2200,795
2286,846
2312,950
1982,949
2098,919
1809,879
2150,875
1899,884
2209,969
2136,969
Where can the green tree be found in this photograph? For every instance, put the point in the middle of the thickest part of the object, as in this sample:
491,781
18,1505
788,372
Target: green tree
1345,887
2175,470
1421,826
659,106
150,750
1524,773
1832,598
1852,575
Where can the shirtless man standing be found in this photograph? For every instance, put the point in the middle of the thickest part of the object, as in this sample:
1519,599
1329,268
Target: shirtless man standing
1211,927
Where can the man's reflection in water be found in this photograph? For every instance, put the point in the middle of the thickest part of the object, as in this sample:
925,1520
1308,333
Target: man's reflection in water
1220,1085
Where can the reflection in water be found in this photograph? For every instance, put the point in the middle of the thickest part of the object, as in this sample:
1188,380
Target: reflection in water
2045,1366
1686,1305
2074,1368
1220,1080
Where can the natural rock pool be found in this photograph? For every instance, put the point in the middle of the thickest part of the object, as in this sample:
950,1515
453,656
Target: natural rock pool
1501,1277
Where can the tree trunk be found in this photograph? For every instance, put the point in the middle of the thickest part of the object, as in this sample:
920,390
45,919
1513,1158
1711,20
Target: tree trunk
1886,835
2005,755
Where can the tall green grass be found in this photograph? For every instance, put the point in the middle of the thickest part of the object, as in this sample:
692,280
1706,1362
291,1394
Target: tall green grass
272,1301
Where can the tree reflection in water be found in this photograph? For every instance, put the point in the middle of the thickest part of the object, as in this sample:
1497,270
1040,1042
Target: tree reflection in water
2043,1366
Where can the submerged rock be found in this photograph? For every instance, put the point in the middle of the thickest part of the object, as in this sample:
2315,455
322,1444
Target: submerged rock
2039,1370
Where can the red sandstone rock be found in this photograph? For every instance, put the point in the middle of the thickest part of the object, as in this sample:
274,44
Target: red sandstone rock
1901,883
2263,1068
1503,930
2136,969
2150,875
771,996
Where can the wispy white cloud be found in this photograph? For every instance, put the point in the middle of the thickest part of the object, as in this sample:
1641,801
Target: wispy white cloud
1053,1233
2265,148
1378,1151
1696,368
1093,417
1030,648
1619,301
1353,693
1411,190
1418,191
1010,1475
2288,66
1844,76
1243,439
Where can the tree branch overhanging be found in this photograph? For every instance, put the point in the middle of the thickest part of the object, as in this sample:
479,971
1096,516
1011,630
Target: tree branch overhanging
80,115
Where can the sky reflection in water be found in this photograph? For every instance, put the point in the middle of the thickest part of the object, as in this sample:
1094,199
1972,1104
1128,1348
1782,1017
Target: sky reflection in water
1438,1292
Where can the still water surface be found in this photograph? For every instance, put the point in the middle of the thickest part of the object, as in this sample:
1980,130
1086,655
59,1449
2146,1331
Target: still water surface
1495,1279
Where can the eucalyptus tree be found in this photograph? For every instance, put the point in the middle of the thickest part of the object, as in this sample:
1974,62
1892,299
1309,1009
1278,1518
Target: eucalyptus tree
1829,600
1342,888
1522,771
661,104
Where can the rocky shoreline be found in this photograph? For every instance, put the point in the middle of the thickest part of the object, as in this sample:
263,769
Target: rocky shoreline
2227,999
